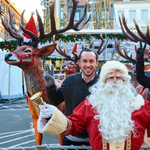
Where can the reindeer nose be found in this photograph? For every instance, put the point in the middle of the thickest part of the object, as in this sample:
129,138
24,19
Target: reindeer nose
7,56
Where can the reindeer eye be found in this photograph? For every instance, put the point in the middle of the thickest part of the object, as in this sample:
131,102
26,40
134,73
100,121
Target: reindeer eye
27,51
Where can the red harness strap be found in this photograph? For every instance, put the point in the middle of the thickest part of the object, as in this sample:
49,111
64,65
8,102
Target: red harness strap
24,56
74,67
43,93
30,63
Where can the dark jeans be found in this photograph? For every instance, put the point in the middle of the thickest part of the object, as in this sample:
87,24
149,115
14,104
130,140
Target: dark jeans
68,142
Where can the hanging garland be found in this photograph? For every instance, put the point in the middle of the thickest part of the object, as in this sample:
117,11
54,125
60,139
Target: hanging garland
9,45
12,45
77,37
53,59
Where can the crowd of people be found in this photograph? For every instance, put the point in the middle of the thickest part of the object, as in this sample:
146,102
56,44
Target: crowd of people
103,111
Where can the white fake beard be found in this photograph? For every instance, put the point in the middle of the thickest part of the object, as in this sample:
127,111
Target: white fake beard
114,104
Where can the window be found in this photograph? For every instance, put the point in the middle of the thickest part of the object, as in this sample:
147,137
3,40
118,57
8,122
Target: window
77,15
144,15
88,14
120,14
109,46
132,15
61,13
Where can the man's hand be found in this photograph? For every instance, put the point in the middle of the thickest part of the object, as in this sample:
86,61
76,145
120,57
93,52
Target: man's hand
46,111
140,51
49,75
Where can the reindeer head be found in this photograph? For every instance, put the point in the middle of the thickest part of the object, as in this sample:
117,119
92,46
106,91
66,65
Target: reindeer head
28,53
70,65
25,55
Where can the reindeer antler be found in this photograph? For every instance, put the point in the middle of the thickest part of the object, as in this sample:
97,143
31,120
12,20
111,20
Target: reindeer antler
101,49
12,30
60,51
90,45
135,37
64,53
53,31
124,53
16,34
102,46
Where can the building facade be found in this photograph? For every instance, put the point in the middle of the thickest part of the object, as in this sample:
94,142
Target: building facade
16,18
133,9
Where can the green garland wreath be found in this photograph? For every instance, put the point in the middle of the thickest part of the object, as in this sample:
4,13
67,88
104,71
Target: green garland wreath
13,44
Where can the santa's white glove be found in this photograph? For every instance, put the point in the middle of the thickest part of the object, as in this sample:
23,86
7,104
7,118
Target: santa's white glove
46,111
49,75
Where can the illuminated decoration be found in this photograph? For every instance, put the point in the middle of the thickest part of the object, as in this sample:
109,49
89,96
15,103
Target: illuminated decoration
101,12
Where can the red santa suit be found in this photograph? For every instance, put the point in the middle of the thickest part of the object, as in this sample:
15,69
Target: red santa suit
83,118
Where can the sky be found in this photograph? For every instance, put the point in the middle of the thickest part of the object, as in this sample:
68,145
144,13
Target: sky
29,6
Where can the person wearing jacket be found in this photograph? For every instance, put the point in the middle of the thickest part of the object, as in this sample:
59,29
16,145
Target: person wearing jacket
114,116
140,74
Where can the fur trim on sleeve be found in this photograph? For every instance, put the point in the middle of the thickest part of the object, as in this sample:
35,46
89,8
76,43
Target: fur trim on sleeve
55,126
139,101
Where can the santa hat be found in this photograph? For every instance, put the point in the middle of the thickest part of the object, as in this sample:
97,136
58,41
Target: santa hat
111,66
31,27
135,47
75,48
74,53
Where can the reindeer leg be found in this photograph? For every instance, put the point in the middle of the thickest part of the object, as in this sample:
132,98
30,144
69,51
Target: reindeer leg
60,138
38,136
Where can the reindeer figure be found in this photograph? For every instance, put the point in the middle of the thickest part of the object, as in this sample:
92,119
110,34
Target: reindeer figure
70,65
28,56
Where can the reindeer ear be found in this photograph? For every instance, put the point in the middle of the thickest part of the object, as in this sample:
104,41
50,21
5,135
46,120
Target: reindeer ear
46,50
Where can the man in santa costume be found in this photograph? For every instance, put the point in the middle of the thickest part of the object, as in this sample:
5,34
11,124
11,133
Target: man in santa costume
114,116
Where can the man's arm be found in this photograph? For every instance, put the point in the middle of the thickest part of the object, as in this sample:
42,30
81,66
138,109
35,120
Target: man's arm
53,94
140,75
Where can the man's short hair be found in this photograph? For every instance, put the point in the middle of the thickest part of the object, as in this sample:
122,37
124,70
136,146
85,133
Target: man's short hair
88,50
